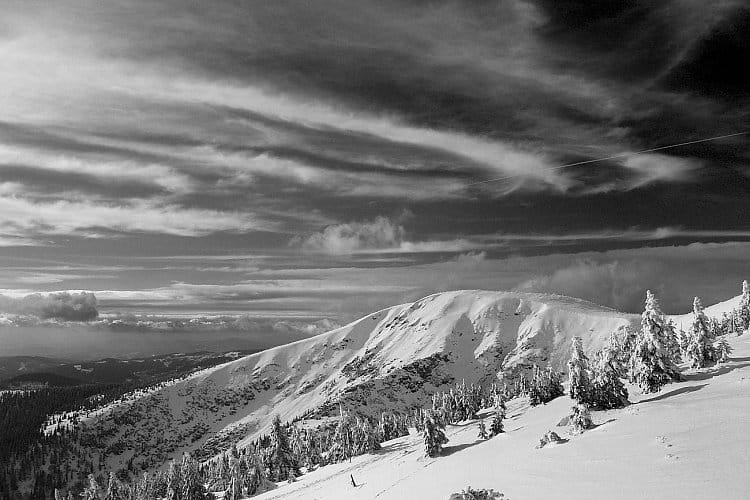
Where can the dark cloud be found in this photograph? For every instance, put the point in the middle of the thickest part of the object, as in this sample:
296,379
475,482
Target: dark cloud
62,306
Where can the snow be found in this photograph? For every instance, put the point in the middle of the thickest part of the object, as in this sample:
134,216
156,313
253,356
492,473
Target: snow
688,441
479,334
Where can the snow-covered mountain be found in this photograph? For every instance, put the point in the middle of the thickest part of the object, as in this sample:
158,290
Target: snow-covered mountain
393,359
688,441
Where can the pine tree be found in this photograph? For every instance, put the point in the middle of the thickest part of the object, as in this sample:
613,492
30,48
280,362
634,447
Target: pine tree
496,427
482,430
609,391
256,480
342,447
92,491
433,435
700,348
192,486
579,373
580,418
651,362
281,459
722,350
744,308
234,491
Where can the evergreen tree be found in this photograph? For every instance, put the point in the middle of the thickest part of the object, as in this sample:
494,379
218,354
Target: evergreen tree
700,348
281,457
580,418
744,308
92,491
496,427
192,486
256,480
579,373
433,435
651,362
342,447
722,350
234,491
609,391
482,430
174,482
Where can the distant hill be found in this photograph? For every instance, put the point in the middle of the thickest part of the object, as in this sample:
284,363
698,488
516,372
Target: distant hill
140,371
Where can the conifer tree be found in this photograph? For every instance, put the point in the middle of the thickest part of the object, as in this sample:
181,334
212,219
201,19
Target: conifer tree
281,457
651,362
579,373
482,430
342,447
580,418
700,348
496,427
256,480
609,391
192,486
744,308
722,350
174,482
433,436
92,491
234,491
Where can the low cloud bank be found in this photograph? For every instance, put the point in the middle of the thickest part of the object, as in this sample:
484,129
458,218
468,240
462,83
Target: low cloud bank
62,306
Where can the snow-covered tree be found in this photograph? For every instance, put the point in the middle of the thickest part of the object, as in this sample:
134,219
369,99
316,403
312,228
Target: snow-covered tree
744,308
256,480
433,435
579,373
281,458
496,427
722,350
652,363
609,391
580,418
234,491
342,447
544,386
700,348
482,430
92,491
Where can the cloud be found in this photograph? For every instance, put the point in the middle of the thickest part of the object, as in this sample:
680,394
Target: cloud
651,168
353,237
22,217
606,283
60,306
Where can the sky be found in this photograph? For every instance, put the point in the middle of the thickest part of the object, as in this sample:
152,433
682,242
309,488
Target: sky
294,165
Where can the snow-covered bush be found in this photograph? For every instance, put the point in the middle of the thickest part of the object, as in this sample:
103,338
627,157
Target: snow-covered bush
549,437
471,494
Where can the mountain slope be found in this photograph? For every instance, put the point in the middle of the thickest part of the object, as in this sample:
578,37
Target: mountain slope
688,441
393,359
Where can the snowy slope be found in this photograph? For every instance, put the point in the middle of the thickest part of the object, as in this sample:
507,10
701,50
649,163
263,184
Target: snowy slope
684,321
688,441
392,359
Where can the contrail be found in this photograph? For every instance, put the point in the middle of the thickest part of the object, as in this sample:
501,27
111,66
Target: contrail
621,155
